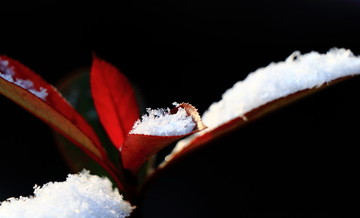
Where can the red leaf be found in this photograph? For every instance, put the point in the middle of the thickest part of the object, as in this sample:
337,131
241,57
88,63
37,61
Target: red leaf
114,100
139,148
18,83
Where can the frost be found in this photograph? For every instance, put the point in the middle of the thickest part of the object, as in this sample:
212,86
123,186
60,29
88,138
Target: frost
297,72
7,72
81,195
161,122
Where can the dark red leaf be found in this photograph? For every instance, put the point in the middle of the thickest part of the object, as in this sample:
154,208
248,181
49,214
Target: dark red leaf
114,100
139,148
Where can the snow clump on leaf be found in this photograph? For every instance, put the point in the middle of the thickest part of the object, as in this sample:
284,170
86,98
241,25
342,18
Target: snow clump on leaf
161,122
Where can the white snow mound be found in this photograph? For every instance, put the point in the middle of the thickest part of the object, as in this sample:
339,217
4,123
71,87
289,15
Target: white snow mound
81,195
161,122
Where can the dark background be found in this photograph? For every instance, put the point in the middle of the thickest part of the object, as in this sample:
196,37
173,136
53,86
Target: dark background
298,162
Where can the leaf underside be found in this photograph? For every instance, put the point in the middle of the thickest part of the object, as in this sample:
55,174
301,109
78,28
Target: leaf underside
54,110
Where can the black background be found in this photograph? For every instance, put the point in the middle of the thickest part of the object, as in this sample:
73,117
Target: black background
298,162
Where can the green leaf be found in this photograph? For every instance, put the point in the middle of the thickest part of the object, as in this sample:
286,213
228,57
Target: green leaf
76,89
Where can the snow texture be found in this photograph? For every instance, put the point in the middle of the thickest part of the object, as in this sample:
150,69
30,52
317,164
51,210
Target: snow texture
8,73
297,72
161,122
81,195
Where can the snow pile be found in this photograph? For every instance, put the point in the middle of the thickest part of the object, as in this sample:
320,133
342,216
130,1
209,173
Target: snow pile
161,122
297,72
81,195
8,74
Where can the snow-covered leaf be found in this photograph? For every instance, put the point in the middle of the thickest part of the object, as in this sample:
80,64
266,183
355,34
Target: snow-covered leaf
157,130
268,89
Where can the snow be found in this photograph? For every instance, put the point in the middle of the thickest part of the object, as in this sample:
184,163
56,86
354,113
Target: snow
81,195
297,72
8,73
161,122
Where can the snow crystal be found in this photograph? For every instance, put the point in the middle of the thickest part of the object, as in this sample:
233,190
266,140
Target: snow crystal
297,72
81,195
8,73
161,122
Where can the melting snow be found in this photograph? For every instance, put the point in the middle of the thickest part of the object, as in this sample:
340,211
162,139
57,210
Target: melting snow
7,73
161,122
81,195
